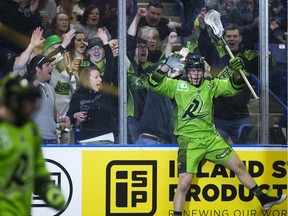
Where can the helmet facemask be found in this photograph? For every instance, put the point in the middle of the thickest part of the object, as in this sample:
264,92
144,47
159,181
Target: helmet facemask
20,96
194,68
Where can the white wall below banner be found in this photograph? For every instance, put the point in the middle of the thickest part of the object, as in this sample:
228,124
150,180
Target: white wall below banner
65,166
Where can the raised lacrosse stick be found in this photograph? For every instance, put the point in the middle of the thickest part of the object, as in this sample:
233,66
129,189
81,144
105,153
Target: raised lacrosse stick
212,18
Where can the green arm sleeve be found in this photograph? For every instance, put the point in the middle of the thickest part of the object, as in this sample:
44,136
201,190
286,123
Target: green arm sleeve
157,76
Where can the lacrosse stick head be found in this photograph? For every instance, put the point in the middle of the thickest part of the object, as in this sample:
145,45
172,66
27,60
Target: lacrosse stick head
212,18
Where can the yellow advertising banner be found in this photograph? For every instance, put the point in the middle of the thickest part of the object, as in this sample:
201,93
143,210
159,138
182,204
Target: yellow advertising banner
131,181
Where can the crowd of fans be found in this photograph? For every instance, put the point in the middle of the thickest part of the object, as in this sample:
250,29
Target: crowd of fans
70,47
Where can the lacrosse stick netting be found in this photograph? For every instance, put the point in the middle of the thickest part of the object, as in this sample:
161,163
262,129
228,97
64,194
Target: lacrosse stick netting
212,18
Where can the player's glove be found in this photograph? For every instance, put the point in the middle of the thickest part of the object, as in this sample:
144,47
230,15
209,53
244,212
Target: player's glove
55,198
174,61
237,63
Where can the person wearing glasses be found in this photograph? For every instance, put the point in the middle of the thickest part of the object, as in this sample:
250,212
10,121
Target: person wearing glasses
96,90
99,53
139,69
153,16
148,123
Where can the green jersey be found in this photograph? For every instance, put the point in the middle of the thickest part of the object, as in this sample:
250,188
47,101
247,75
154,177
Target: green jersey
193,112
137,87
21,167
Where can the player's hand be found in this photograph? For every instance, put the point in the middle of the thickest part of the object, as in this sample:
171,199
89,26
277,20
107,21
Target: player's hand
237,63
174,61
55,198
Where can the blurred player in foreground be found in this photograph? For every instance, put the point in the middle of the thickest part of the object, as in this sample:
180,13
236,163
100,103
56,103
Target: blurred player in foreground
22,167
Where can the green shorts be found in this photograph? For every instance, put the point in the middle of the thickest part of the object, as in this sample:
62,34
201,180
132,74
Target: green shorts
192,151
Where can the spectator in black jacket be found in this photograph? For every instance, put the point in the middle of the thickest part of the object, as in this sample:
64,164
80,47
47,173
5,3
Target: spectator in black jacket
97,121
154,18
18,21
97,124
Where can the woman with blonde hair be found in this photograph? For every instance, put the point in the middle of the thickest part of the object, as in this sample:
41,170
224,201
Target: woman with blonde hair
97,120
91,108
151,34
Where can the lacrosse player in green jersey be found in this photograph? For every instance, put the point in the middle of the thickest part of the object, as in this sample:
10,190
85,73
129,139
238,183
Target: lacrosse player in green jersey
22,167
193,96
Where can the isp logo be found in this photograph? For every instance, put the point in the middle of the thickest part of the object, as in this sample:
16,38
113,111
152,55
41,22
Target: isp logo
131,188
62,179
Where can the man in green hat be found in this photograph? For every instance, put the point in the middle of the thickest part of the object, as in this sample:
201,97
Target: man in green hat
99,51
54,45
51,41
